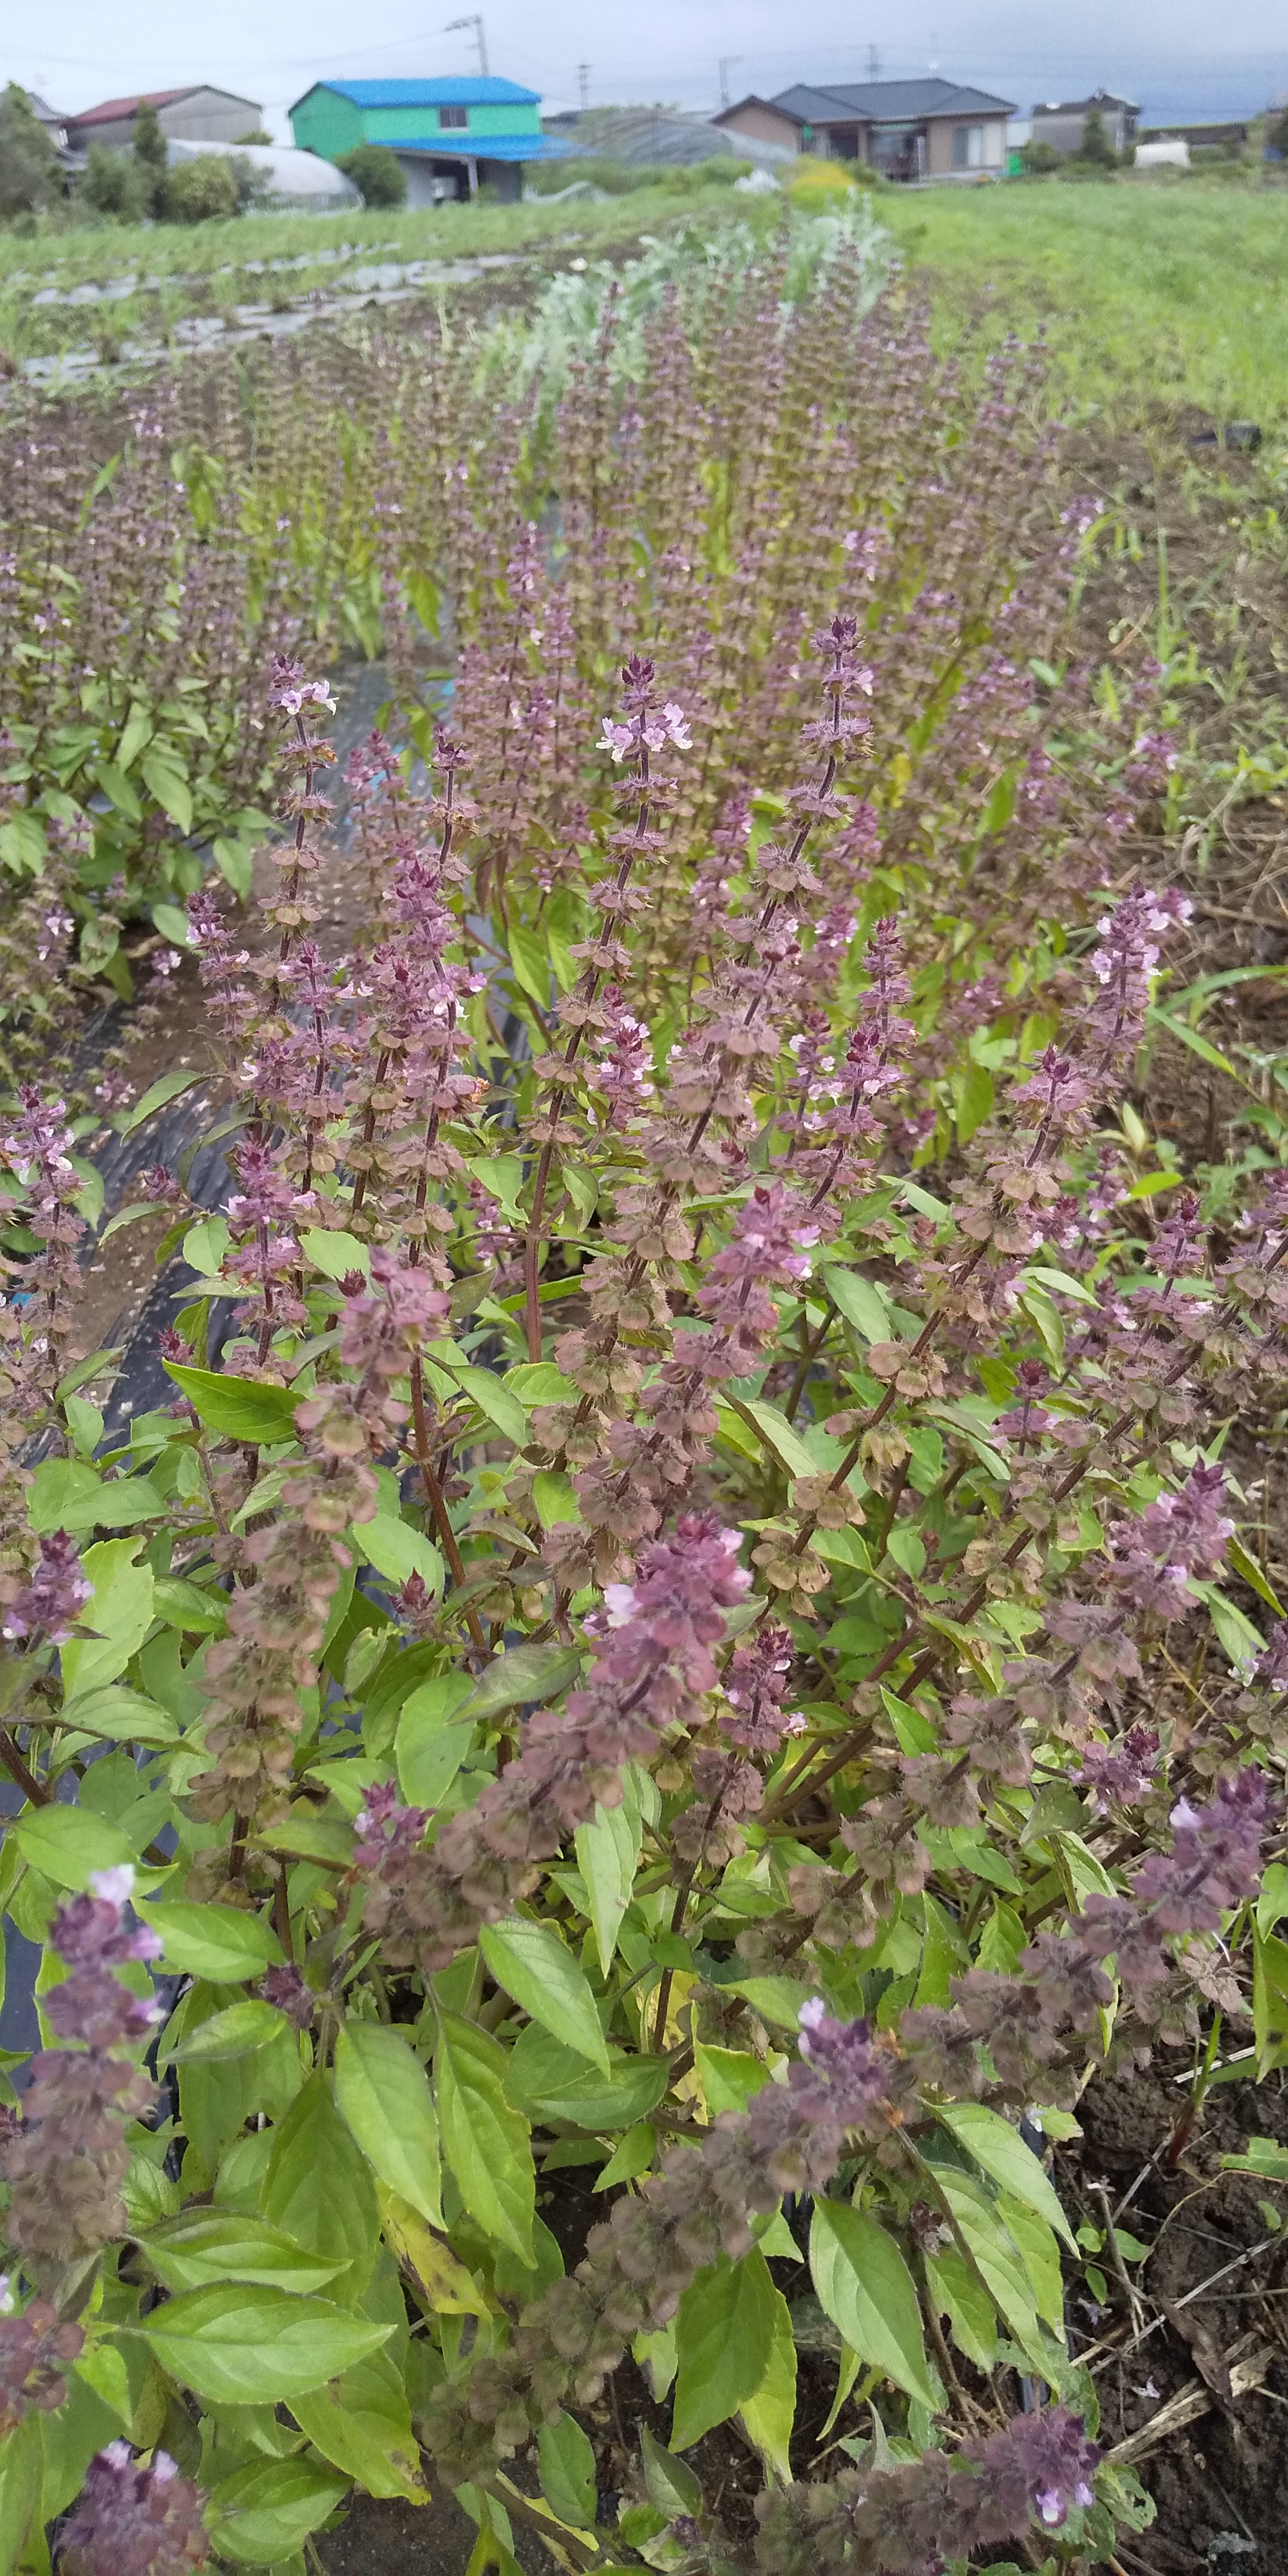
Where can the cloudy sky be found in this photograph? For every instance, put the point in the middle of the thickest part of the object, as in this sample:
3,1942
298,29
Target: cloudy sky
1160,52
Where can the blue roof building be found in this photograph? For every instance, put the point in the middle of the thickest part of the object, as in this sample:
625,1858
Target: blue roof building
451,136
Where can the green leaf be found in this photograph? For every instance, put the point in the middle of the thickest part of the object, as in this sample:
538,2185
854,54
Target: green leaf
1272,1904
397,1550
776,1999
1061,1285
123,1717
997,2258
116,1620
530,958
1262,2156
608,1850
724,2335
240,2345
217,1942
497,1403
540,1382
669,2482
58,1486
525,1673
428,1748
67,1844
172,924
21,2464
1269,1993
861,1302
318,2190
729,2077
138,731
1246,1566
536,1967
382,2094
868,2292
566,2467
999,804
119,790
362,2421
190,1607
1040,2255
555,1499
170,788
333,1254
262,1415
1047,1318
1191,1038
957,2295
262,2514
1001,2151
488,2144
236,2032
171,1086
776,1432
203,2246
974,1101
630,2158
1239,1639
545,2078
768,2415
118,1504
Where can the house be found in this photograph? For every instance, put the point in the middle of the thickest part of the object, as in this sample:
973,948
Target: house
52,119
451,136
914,129
200,114
1062,124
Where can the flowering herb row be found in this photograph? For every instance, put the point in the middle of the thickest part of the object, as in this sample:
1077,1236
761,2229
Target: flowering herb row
658,1646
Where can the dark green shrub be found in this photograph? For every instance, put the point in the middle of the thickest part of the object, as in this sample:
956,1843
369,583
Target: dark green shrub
1039,159
197,192
30,177
377,172
1096,146
150,152
115,184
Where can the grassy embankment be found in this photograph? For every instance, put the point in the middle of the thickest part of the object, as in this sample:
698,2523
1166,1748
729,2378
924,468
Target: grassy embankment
1153,293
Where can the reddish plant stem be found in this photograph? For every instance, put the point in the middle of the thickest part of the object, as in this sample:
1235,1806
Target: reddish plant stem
20,1771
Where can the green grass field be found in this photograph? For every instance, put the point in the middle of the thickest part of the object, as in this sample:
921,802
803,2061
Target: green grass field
1175,293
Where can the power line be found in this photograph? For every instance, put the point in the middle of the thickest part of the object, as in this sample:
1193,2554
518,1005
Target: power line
476,22
583,84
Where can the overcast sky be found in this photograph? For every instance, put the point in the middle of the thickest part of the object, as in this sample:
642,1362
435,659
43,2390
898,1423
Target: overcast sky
1160,52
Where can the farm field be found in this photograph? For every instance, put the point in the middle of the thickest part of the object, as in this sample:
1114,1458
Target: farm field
643,1548
100,293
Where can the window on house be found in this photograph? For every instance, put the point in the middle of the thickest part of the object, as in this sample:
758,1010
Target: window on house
451,119
968,147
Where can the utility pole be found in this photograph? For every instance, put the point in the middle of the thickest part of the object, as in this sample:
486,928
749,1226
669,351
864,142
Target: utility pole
725,61
583,83
874,63
476,22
